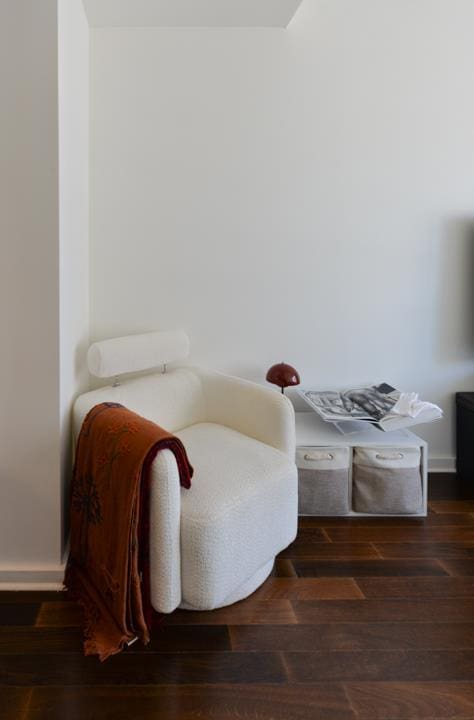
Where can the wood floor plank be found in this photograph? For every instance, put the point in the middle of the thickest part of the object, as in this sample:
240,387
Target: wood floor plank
249,612
308,521
147,669
59,614
417,587
283,568
34,597
188,702
401,534
187,638
14,703
311,534
367,568
425,550
381,665
309,589
412,700
461,567
18,613
394,610
329,550
173,638
353,636
34,640
452,506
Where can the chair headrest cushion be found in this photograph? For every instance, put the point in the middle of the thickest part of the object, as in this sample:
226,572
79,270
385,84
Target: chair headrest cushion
134,353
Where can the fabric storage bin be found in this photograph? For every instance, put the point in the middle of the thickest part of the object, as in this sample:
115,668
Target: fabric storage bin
323,480
387,480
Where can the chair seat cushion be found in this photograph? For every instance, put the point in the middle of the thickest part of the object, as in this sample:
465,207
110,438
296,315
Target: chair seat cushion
239,513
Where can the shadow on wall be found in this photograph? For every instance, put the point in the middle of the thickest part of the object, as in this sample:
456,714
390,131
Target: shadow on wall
254,373
455,296
82,381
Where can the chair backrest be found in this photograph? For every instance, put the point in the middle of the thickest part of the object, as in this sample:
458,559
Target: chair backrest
173,399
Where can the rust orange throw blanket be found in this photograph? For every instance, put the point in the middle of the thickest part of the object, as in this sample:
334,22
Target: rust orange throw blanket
109,515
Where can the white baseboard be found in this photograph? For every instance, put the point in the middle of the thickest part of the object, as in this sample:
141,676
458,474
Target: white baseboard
442,464
48,577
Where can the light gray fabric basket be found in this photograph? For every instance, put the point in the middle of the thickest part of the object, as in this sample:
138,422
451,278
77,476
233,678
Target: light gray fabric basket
387,482
323,492
323,480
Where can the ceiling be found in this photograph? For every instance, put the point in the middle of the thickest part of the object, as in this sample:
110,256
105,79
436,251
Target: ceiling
190,13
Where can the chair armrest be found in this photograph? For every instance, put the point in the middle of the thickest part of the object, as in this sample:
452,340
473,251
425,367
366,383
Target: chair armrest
251,409
165,529
165,513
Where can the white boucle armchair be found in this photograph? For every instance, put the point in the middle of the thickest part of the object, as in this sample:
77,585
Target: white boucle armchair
215,543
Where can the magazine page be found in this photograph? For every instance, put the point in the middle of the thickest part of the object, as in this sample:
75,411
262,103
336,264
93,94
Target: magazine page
370,403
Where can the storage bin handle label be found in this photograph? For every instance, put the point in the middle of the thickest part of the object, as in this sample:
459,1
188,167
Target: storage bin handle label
314,457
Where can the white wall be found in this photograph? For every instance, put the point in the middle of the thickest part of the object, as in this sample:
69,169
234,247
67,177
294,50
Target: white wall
44,229
30,535
190,13
301,195
73,92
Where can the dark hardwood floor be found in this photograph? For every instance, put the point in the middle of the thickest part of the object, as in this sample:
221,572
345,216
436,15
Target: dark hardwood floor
368,619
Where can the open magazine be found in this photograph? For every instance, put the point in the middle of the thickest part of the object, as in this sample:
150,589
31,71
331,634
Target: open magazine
381,405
